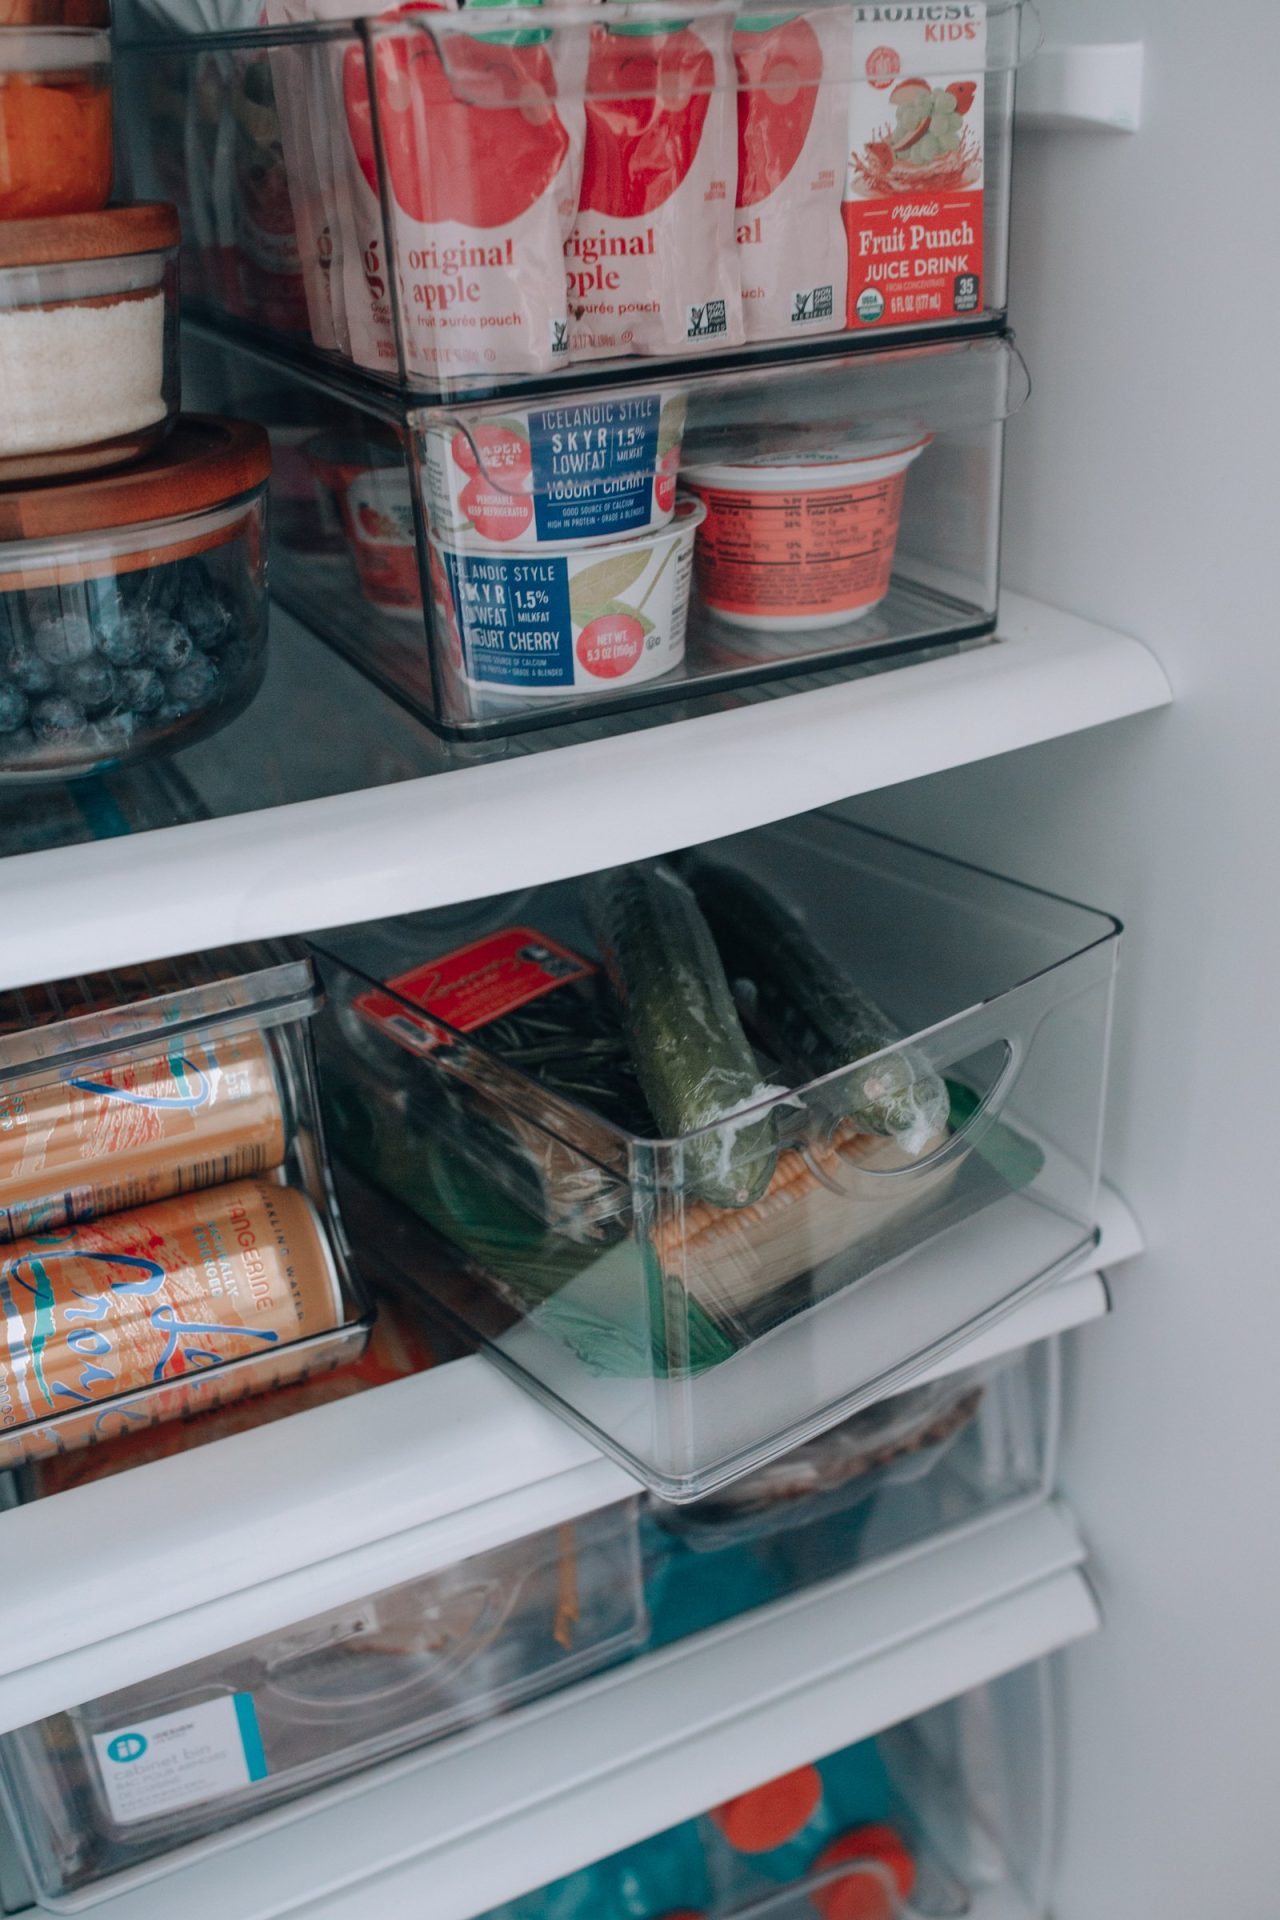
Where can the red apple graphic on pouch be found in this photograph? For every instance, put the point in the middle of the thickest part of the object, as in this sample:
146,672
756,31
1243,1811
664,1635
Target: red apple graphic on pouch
779,72
489,124
643,134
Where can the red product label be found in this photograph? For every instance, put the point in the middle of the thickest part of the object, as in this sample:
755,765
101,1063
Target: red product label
914,260
473,985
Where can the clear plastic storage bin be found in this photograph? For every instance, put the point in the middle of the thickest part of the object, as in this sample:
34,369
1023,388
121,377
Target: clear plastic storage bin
950,1455
942,1816
701,1302
133,605
513,564
121,1788
459,206
168,1238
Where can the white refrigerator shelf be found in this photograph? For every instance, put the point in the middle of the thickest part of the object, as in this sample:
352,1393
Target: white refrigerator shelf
402,823
111,1583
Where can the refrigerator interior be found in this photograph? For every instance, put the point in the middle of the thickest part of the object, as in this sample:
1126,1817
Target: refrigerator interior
1138,494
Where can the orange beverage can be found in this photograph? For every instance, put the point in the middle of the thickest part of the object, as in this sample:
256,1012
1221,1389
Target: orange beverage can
108,1138
151,1300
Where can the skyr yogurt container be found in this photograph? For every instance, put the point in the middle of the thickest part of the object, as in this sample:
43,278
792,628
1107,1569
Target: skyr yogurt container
580,471
562,620
801,543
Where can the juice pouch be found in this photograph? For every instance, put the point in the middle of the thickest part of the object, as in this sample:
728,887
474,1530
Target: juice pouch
913,191
482,136
272,283
297,73
652,263
793,113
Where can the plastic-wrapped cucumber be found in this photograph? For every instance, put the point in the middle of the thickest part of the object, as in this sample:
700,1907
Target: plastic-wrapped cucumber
694,1063
809,1013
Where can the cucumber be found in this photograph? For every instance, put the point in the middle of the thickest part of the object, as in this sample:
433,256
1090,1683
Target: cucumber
808,1013
694,1063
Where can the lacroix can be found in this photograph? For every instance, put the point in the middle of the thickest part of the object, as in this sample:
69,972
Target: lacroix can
109,1138
152,1300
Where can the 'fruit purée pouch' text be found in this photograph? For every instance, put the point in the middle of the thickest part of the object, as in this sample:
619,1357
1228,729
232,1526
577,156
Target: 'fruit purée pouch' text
482,136
652,263
793,109
913,192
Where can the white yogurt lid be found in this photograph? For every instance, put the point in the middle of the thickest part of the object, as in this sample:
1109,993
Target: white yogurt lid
811,467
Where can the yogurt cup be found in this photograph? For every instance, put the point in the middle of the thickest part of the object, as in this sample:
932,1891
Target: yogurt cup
804,543
563,621
580,471
368,486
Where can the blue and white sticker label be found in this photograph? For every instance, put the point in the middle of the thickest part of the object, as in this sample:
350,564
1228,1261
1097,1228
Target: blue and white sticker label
593,466
180,1759
513,618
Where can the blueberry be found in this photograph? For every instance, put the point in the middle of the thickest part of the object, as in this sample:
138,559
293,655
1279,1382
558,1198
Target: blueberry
168,646
57,720
16,747
140,689
13,707
91,683
62,641
194,685
151,589
123,640
208,619
28,670
166,715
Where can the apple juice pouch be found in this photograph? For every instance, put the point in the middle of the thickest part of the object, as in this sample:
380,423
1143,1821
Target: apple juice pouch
913,191
793,108
482,136
652,263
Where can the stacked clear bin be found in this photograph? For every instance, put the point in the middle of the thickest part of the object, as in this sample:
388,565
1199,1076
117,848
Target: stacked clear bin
943,1815
132,1785
512,564
697,1337
459,210
168,1235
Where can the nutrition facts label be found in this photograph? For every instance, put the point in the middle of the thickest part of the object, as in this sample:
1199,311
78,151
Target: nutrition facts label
179,1759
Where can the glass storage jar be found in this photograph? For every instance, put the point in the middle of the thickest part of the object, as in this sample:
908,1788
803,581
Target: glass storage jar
55,116
133,604
88,339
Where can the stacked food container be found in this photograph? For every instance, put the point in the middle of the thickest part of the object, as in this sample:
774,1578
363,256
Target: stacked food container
604,327
132,539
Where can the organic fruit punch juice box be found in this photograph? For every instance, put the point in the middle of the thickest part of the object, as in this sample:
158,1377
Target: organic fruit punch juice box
652,263
913,191
793,118
482,137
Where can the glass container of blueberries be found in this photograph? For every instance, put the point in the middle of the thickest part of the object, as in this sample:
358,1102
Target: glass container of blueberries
133,613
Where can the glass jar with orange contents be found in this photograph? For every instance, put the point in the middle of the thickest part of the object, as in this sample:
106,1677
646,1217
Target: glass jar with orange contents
55,107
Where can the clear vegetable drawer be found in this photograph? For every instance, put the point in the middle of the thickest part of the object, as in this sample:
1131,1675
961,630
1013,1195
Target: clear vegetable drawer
507,565
168,1238
125,1787
939,1817
727,1146
462,210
